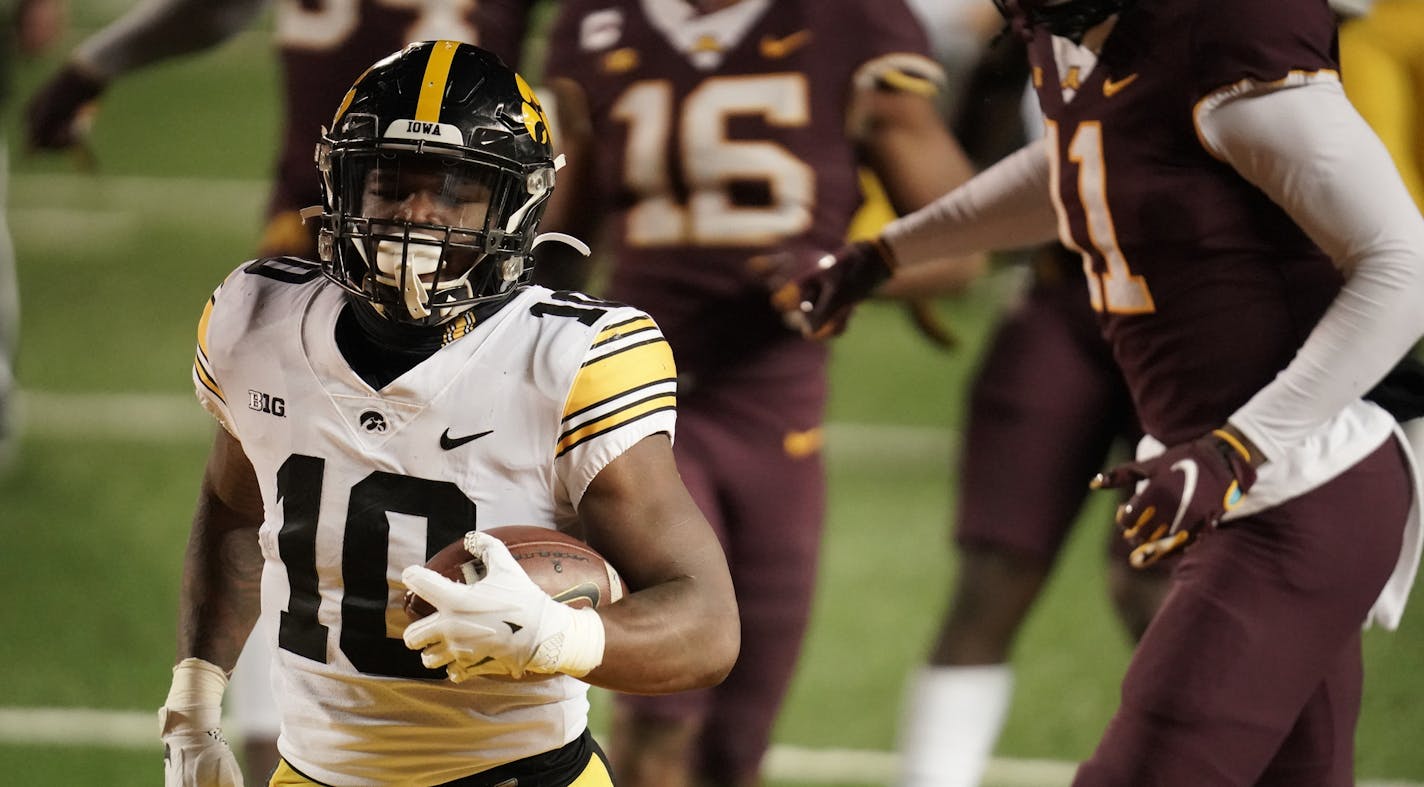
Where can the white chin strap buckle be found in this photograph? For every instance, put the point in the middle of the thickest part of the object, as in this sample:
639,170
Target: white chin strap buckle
418,259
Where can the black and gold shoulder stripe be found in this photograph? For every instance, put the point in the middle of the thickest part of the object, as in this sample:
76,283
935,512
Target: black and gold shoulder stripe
629,375
202,370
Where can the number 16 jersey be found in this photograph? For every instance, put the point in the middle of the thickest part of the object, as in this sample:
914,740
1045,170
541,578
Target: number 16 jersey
507,423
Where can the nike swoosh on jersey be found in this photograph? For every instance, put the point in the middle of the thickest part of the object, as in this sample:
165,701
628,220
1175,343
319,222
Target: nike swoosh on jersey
776,48
447,442
1111,88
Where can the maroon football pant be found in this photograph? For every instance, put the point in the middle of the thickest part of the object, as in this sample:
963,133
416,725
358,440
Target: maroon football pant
1048,402
750,457
1251,674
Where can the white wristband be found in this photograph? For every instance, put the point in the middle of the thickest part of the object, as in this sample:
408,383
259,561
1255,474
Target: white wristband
574,651
194,698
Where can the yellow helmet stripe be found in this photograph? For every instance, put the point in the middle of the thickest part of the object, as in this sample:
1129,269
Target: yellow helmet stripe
432,87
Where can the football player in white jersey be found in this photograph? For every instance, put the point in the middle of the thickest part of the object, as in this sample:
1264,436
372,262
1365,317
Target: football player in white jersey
410,388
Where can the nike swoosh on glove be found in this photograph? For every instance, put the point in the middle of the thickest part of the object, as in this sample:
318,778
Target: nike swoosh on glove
502,624
1179,492
817,298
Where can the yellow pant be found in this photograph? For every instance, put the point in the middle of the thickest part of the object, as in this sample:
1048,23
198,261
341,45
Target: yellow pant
594,775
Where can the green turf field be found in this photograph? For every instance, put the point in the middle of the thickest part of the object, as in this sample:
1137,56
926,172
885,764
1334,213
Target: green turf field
115,266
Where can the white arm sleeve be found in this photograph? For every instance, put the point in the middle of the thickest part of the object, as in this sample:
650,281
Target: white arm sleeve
161,29
1306,147
1007,206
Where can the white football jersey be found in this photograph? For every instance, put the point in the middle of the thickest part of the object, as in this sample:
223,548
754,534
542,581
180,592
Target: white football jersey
506,424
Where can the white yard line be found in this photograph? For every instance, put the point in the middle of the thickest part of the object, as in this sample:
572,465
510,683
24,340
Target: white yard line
157,418
136,193
168,418
85,727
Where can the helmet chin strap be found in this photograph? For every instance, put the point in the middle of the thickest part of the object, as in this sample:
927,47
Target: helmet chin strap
400,264
537,184
568,240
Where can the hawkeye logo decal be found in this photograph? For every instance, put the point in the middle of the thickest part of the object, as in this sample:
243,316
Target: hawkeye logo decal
534,118
1111,88
372,421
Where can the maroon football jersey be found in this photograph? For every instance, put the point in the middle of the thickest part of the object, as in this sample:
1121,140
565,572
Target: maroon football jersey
1204,286
718,138
326,45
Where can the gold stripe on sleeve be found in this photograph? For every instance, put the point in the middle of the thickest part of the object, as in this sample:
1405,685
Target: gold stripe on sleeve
203,325
623,329
206,378
616,419
606,377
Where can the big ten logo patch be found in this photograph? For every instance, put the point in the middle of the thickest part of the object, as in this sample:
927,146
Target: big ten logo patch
266,403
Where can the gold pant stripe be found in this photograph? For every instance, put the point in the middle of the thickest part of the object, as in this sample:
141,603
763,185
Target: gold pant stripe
594,775
284,776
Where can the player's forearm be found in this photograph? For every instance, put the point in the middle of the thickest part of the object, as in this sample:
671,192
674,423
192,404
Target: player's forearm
911,152
672,637
161,29
1007,206
1310,151
222,568
222,577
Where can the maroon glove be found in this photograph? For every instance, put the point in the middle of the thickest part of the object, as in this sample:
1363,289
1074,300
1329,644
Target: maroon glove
1186,488
52,117
817,299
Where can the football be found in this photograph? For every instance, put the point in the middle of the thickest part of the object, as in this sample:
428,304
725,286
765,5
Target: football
565,567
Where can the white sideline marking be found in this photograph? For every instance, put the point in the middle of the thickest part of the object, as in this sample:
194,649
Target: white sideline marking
160,418
86,727
169,418
839,766
137,193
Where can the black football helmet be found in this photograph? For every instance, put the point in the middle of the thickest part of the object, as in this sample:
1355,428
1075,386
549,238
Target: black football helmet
450,122
1069,19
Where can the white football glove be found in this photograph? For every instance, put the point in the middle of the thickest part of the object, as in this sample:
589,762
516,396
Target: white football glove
195,754
503,624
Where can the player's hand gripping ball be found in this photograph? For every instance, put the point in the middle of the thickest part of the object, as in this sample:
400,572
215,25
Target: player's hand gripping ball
566,568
